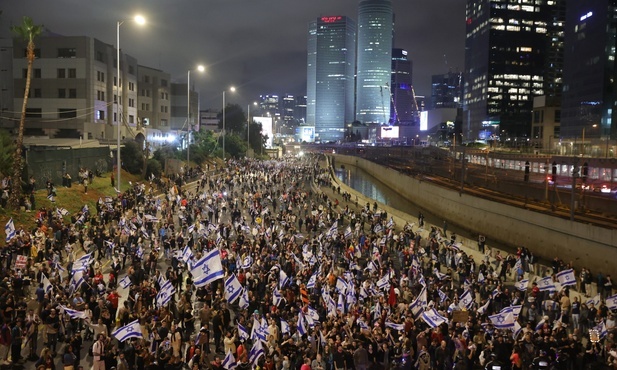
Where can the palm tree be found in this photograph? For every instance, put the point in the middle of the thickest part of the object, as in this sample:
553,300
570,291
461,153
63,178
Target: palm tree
28,31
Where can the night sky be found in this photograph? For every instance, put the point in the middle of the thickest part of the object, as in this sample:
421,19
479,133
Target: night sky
258,46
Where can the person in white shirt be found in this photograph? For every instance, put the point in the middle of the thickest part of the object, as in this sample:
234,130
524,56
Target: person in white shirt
98,352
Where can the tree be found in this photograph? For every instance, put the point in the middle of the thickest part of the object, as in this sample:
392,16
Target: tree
28,31
235,146
256,137
203,147
132,157
6,153
235,120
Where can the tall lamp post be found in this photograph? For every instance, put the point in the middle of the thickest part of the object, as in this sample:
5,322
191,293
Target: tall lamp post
200,69
232,89
140,21
248,125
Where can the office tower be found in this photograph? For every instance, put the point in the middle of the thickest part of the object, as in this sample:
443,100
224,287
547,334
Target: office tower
287,109
402,106
178,108
447,90
375,31
269,105
300,109
331,66
73,88
506,55
589,94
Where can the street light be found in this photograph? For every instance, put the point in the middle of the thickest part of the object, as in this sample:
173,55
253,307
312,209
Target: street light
140,21
248,126
583,149
200,69
232,89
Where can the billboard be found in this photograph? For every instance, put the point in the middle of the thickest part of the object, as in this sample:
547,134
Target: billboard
306,134
423,120
266,128
389,132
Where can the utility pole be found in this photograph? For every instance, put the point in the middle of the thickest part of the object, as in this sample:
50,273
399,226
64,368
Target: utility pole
575,172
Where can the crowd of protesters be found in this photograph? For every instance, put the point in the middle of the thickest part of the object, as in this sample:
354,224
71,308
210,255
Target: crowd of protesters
326,285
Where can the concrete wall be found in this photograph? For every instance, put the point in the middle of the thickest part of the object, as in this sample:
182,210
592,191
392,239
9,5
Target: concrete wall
548,237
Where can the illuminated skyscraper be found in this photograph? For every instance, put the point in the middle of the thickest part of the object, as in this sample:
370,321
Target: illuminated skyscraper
375,27
590,72
330,76
510,58
402,108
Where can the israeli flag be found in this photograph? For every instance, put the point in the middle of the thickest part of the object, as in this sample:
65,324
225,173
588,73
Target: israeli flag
256,333
62,211
243,333
377,312
132,330
165,294
540,325
301,326
377,229
390,223
481,278
340,305
312,281
74,314
348,232
439,275
566,277
46,283
362,324
466,300
208,269
77,280
144,233
125,282
283,279
442,296
333,229
546,284
140,252
247,262
276,297
190,229
263,328
516,330
421,280
372,266
244,299
284,327
256,352
596,301
395,326
187,254
82,263
384,282
611,302
51,198
233,288
341,285
313,314
502,320
484,307
422,299
522,285
432,318
229,363
211,228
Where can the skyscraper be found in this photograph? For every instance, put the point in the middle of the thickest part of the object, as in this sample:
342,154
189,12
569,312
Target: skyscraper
507,50
402,107
330,76
447,90
375,31
589,93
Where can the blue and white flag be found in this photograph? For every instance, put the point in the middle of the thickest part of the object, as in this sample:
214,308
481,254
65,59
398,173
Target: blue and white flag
208,269
481,278
595,300
333,229
187,254
348,232
256,352
516,330
312,281
247,262
522,285
257,334
229,362
540,324
432,318
566,277
140,252
442,296
421,280
484,307
377,229
165,294
284,327
395,326
283,279
244,299
276,297
51,198
233,288
74,314
313,315
466,300
82,263
190,229
611,302
439,275
243,333
502,320
384,282
546,284
362,324
340,305
131,330
46,283
341,285
301,326
76,280
62,211
125,282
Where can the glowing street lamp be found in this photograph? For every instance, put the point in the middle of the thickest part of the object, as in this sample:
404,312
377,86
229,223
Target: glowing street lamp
231,89
200,68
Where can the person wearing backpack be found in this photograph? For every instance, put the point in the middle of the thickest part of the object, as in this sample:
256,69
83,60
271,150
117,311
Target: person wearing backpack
5,342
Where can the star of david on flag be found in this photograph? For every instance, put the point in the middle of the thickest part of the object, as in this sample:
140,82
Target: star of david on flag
233,288
566,277
131,330
208,269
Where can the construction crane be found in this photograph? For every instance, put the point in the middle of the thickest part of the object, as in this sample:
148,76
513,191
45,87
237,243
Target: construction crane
392,102
416,113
